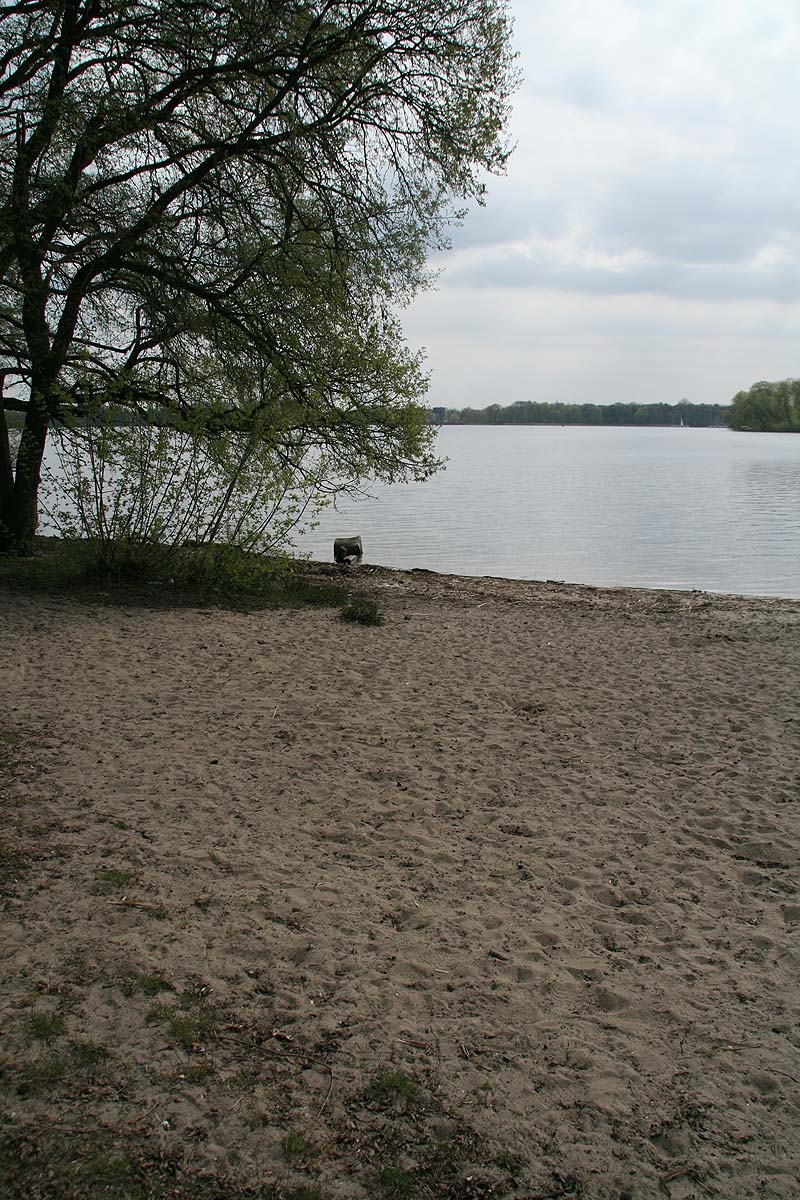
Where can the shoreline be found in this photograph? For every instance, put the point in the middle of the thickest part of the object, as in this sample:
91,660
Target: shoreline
362,573
460,584
496,899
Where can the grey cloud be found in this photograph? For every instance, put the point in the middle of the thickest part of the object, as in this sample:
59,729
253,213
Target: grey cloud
684,234
707,281
691,220
510,217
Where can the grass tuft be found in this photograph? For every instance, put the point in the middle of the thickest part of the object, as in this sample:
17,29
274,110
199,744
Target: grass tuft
116,877
87,1054
295,1145
13,861
362,612
40,1074
45,1025
149,985
394,1085
194,1022
112,1175
395,1182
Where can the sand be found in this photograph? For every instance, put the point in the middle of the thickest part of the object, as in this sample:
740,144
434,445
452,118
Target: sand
497,899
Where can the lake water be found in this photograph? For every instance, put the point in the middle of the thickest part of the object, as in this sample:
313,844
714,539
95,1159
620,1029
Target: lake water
667,508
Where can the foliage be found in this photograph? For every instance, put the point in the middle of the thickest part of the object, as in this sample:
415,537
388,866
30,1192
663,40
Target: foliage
184,575
212,211
535,412
140,493
768,408
362,612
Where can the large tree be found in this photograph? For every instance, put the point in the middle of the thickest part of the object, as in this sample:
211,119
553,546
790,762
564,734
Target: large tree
767,408
211,211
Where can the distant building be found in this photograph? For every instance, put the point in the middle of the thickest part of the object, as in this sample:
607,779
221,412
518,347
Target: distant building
437,416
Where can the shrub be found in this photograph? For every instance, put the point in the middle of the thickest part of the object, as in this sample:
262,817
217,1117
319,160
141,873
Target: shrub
140,495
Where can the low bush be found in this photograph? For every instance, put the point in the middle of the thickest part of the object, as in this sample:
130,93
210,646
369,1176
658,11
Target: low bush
168,575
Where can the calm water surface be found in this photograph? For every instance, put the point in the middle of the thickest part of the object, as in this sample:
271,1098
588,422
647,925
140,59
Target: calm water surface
671,508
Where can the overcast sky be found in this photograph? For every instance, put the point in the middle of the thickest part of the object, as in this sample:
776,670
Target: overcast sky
645,243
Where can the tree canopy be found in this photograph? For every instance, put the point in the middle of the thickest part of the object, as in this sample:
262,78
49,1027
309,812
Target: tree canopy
768,408
212,209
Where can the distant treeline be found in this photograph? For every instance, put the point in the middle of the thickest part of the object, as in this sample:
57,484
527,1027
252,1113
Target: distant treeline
533,412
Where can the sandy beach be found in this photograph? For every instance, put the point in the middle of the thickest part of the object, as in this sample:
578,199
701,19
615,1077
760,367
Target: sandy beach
497,899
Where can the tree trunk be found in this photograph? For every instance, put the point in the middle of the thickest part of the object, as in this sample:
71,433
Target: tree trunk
19,514
6,470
